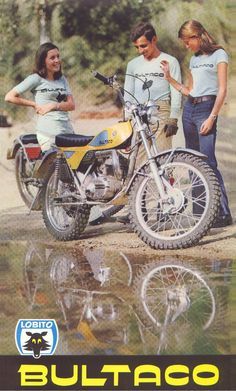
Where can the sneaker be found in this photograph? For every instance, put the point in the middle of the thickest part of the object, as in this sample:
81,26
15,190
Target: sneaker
123,219
223,221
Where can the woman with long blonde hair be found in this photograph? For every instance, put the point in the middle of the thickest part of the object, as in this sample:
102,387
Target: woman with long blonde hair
206,90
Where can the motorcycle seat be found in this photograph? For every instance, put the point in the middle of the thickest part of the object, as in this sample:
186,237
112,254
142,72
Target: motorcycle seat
29,139
72,140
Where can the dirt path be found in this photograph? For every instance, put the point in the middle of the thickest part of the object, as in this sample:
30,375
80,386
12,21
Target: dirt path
16,225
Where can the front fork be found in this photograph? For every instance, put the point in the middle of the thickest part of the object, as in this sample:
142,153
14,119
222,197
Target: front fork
151,159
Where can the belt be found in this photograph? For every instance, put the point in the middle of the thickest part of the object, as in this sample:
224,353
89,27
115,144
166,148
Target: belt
200,99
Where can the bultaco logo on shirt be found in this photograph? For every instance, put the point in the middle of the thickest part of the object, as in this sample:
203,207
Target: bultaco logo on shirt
203,65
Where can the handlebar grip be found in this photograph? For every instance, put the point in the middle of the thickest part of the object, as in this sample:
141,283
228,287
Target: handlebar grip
100,77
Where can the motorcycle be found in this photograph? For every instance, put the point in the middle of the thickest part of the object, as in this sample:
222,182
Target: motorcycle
173,197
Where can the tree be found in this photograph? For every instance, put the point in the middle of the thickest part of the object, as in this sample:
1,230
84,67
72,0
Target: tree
103,24
17,40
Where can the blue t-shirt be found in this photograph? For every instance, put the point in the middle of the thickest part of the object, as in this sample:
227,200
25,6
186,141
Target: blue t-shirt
204,72
48,91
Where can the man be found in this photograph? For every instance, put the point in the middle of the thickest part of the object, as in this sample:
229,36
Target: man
144,75
147,68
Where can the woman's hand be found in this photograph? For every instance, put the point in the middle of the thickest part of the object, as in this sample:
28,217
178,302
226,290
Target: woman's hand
207,126
44,109
166,69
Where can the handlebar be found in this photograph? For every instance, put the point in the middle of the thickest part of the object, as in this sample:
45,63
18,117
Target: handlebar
104,79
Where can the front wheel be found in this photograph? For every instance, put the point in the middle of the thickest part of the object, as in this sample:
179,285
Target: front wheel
186,214
63,221
172,293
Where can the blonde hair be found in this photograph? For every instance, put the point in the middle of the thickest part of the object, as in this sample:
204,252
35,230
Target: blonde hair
193,28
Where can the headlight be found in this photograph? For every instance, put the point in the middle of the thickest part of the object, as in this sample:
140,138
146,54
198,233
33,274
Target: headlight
152,112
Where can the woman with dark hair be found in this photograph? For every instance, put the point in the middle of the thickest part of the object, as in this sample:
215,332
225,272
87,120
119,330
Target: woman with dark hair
206,90
52,95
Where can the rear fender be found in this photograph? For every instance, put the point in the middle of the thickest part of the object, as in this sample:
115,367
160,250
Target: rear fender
43,165
17,143
167,152
11,152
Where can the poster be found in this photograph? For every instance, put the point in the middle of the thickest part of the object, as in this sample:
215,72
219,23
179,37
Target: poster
107,311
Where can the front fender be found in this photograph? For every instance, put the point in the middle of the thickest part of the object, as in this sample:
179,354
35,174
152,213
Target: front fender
180,150
163,153
43,165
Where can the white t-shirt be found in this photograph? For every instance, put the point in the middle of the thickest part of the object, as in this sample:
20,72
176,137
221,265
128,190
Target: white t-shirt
48,91
151,72
204,72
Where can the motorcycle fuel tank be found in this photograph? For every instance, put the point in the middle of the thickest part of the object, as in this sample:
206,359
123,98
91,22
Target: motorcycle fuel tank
113,136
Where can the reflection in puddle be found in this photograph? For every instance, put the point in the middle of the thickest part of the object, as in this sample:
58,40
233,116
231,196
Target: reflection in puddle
114,303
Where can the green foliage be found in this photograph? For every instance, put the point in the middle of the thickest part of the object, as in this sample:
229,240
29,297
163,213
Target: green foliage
95,34
102,29
16,42
100,21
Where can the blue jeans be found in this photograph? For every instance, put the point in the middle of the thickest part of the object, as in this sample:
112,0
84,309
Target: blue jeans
193,117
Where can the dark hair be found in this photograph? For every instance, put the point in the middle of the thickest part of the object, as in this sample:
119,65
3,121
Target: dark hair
40,58
193,28
143,28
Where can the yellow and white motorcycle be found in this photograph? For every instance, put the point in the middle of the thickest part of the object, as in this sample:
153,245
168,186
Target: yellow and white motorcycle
173,197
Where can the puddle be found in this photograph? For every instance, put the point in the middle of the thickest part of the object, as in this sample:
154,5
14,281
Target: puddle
112,303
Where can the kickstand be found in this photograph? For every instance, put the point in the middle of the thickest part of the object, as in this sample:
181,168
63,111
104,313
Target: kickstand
34,200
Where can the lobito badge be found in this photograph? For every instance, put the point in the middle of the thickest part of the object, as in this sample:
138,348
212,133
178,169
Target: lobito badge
36,337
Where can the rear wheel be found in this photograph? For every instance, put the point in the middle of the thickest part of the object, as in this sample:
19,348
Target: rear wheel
189,210
23,173
64,222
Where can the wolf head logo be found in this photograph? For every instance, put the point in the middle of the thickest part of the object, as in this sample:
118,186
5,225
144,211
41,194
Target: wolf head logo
36,343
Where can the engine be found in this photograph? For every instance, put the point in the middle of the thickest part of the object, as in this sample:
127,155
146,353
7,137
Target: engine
107,178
